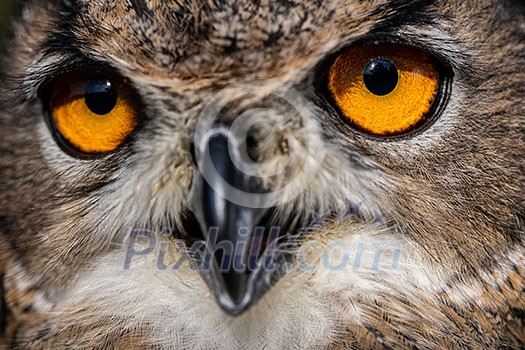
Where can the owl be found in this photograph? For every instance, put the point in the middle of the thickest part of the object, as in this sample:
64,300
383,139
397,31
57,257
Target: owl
254,174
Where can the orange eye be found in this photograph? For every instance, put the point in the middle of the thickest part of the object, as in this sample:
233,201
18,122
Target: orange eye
93,114
384,90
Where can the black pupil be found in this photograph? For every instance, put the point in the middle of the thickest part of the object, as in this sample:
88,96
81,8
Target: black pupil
381,76
101,96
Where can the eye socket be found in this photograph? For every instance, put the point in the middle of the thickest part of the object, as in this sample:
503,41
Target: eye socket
385,90
91,114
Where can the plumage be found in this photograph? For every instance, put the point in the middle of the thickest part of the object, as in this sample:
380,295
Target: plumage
411,240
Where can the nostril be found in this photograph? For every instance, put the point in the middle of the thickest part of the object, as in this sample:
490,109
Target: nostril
251,148
192,153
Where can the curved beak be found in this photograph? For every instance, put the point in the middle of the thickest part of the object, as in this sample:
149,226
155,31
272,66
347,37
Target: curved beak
229,227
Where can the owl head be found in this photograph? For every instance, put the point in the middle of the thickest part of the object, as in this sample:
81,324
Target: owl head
260,174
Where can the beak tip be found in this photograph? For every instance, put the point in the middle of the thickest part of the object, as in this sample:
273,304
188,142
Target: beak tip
232,308
233,303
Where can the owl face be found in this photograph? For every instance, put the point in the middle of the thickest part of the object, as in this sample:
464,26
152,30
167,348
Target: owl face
260,174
